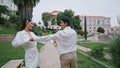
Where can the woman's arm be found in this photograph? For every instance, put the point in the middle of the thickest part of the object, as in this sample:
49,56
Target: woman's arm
19,40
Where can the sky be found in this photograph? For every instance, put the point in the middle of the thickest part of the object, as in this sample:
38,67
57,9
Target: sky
107,8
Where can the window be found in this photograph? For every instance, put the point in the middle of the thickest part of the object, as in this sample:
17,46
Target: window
94,21
98,22
103,21
89,22
90,27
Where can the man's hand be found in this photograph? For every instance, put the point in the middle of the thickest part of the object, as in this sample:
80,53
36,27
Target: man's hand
54,41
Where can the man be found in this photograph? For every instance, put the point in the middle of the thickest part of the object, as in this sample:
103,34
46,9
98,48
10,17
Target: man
66,44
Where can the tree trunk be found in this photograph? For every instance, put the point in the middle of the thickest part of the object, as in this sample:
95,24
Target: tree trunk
25,12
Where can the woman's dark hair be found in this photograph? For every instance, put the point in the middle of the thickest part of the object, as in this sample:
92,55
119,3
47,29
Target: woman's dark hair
24,23
66,20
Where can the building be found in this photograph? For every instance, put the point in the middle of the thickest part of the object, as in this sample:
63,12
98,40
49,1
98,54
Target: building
9,4
116,30
54,14
93,22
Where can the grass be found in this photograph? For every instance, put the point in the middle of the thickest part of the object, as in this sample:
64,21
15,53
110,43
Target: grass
8,52
91,44
84,62
7,30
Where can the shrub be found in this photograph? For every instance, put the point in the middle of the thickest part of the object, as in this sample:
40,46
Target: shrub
37,30
80,32
7,24
97,51
100,29
115,52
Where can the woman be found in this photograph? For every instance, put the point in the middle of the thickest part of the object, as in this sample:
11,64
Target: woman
24,38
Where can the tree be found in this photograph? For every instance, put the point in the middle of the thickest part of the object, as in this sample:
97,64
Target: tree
76,23
25,8
3,11
13,17
59,16
115,51
74,20
85,28
46,17
100,30
80,32
68,14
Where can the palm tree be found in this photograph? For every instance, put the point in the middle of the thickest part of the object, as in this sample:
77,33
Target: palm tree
25,8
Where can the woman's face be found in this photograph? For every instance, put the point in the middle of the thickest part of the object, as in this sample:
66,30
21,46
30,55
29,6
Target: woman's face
29,25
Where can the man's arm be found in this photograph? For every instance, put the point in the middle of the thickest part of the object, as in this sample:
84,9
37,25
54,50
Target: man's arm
47,37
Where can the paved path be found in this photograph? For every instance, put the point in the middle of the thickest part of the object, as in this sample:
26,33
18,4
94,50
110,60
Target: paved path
49,57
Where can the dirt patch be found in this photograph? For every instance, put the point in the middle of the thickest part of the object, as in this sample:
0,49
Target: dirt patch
6,37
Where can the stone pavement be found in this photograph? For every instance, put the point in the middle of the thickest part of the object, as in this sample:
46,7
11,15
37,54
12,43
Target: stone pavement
49,57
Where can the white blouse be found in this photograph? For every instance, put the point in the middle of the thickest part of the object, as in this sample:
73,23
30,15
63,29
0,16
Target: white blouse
32,58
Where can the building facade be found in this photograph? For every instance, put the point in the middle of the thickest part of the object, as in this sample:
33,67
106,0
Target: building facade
94,22
116,30
53,16
9,4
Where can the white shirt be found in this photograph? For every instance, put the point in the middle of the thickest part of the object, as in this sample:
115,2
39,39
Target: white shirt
66,40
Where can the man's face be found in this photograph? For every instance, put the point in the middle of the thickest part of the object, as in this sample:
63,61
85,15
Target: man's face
63,25
29,25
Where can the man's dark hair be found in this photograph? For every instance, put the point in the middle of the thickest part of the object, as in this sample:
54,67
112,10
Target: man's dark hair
66,20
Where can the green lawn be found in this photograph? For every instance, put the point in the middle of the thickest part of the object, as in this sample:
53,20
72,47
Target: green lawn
91,44
84,62
8,52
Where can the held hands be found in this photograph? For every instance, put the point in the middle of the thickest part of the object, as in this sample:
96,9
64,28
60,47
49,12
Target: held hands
31,39
54,41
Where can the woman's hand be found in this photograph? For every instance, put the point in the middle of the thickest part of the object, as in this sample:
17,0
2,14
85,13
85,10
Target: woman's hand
31,39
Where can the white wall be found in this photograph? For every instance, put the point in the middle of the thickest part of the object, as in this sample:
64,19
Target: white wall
93,22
